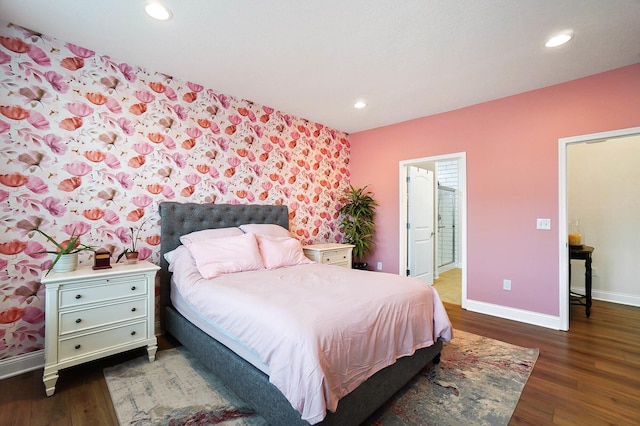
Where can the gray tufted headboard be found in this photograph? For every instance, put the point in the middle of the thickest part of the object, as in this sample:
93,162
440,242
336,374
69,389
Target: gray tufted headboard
181,218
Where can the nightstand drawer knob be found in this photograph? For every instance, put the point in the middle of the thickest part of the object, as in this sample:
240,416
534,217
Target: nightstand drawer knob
133,333
133,288
133,309
78,296
78,346
78,321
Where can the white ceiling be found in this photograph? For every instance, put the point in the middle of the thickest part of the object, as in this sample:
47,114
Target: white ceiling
314,59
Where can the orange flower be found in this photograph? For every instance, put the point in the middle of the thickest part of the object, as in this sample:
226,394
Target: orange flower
155,188
263,196
157,87
135,215
70,184
13,180
153,240
93,214
187,191
230,172
264,118
138,109
241,193
203,168
274,176
12,247
15,44
230,129
95,156
292,179
136,162
14,112
264,156
242,152
71,123
155,137
97,98
204,123
190,97
243,111
72,64
189,143
292,215
11,315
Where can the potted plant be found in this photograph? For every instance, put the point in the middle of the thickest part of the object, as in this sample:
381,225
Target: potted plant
131,254
66,253
358,211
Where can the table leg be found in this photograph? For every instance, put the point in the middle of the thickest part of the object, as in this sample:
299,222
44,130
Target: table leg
587,281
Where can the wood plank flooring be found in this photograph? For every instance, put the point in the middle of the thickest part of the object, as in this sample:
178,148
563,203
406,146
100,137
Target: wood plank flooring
587,376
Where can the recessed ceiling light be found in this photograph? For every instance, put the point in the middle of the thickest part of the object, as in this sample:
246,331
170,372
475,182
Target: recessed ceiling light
360,104
559,39
157,11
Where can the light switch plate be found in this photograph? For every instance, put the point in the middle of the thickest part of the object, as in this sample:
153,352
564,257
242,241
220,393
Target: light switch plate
543,224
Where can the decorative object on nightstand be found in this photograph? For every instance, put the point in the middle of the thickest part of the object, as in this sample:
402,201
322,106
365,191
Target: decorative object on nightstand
131,254
102,259
330,253
92,314
358,211
66,253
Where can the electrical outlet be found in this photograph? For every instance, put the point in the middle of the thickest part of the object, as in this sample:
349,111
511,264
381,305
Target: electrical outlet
506,285
543,224
379,266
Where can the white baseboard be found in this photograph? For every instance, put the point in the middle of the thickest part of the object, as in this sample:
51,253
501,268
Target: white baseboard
514,314
609,296
21,364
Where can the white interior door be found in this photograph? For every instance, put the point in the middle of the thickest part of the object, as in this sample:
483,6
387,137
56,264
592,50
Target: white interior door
420,226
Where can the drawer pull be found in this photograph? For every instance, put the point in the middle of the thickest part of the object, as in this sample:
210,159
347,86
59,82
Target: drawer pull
133,309
78,346
133,333
78,296
133,288
79,320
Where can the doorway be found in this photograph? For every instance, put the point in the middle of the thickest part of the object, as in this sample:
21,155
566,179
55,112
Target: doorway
564,211
430,163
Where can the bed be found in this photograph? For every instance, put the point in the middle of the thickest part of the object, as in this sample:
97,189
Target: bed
247,381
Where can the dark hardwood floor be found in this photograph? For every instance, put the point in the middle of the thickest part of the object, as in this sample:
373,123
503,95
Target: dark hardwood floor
587,376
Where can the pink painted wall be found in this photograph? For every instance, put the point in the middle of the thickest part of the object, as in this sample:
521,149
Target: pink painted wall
512,178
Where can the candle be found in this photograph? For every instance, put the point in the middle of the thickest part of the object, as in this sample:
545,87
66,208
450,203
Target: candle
575,239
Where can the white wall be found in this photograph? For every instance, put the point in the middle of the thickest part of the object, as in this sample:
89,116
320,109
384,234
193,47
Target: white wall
603,181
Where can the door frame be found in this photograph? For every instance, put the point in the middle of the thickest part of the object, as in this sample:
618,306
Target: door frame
563,207
402,226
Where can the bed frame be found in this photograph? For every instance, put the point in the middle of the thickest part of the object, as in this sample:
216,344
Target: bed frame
244,379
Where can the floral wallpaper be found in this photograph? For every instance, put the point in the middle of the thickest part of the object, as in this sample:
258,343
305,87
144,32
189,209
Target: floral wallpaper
92,145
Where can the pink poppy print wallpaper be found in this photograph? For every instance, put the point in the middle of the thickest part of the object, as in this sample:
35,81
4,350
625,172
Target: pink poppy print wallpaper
93,145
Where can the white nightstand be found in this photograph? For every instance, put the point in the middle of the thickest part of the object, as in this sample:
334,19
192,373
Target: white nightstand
91,314
330,253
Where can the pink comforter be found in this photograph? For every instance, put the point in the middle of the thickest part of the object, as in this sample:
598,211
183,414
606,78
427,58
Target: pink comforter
322,330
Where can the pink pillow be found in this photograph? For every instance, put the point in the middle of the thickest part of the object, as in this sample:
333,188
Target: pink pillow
278,252
208,234
268,229
219,256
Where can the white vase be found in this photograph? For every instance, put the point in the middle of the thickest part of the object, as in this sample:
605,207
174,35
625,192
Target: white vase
66,263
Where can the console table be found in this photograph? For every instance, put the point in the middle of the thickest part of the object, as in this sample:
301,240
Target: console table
581,253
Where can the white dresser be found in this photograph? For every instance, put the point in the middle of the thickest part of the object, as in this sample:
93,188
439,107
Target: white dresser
330,253
91,314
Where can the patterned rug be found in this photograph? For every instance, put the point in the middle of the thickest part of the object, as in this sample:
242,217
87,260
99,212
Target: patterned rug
478,382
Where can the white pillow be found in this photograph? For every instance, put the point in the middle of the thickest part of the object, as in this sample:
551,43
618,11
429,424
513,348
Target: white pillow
208,234
268,229
278,252
220,256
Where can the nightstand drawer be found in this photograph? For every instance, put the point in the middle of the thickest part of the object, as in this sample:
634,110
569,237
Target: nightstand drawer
101,290
335,256
83,319
82,345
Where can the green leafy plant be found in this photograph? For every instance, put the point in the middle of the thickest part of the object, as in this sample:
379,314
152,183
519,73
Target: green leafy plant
358,212
134,238
70,246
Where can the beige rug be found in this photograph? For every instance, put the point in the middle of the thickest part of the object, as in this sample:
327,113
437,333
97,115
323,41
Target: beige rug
478,382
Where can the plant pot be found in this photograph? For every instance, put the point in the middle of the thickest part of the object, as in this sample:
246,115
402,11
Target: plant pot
132,257
66,263
360,265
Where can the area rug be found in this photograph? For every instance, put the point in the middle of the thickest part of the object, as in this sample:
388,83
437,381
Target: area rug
478,382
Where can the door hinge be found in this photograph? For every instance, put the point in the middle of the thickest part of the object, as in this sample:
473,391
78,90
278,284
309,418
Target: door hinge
408,273
408,225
